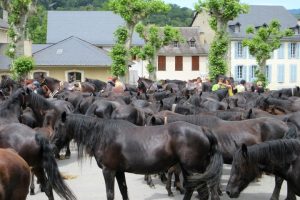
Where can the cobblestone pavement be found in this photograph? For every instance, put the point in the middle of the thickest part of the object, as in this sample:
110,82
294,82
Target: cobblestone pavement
88,184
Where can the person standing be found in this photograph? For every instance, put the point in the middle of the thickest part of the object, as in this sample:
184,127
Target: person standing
241,87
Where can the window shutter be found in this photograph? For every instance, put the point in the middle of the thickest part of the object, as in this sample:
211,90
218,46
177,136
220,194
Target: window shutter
293,73
280,73
236,72
244,72
236,49
244,49
281,51
195,63
178,63
161,63
250,70
269,77
289,50
298,50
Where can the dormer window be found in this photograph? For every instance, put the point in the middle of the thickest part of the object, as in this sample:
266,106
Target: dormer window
175,44
237,28
192,42
59,51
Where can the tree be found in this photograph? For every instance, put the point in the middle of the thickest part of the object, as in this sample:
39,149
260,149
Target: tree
37,26
262,42
22,66
133,11
221,12
154,38
19,11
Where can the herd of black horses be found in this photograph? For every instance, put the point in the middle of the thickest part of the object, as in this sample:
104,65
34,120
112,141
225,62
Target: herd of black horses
149,129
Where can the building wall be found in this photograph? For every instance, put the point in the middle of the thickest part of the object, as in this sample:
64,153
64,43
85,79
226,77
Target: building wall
3,36
100,73
186,73
202,21
248,61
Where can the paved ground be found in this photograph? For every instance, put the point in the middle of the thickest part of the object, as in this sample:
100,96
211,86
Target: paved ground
89,184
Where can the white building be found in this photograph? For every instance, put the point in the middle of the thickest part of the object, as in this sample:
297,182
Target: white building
283,69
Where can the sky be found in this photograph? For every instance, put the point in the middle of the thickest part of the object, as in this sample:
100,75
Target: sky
289,4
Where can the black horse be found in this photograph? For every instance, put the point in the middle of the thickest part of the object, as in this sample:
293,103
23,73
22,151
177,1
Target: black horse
279,157
119,146
37,152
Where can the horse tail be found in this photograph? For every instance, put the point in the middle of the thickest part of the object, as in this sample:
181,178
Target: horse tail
51,169
213,172
292,133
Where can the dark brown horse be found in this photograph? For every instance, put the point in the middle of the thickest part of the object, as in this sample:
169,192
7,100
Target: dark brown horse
14,176
119,146
37,152
279,157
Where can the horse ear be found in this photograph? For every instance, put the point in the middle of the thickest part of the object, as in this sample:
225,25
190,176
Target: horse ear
250,112
200,94
280,94
28,91
298,88
161,102
138,94
244,151
153,120
63,116
176,99
171,90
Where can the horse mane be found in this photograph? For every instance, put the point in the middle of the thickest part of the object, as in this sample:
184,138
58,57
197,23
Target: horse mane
39,102
276,151
92,132
5,105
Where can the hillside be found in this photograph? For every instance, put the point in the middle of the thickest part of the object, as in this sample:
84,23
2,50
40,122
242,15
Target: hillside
295,12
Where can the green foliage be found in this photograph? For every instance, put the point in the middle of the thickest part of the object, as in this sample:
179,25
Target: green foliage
261,77
221,12
37,26
119,53
177,17
133,11
263,41
22,65
217,63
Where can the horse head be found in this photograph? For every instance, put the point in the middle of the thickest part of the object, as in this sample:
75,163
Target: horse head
243,172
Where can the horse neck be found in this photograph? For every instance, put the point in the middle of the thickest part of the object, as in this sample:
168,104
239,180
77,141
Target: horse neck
10,110
274,156
279,102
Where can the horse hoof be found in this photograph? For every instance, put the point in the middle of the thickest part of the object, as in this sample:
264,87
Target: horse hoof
32,192
171,194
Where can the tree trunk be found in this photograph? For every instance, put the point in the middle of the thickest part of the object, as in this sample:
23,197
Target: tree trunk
262,67
152,75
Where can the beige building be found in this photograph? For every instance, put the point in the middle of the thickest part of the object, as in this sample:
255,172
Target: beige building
184,61
283,69
4,60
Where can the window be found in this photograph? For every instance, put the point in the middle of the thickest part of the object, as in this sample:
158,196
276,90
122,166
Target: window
237,28
74,77
161,63
59,51
175,44
252,72
239,72
37,75
292,50
239,50
195,63
192,44
178,63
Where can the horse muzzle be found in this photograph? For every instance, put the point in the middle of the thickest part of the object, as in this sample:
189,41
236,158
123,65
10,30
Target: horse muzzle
232,193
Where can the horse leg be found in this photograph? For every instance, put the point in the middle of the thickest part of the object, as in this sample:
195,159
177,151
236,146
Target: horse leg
290,194
32,186
68,152
163,177
169,182
177,182
149,181
276,192
45,185
122,184
109,177
214,192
